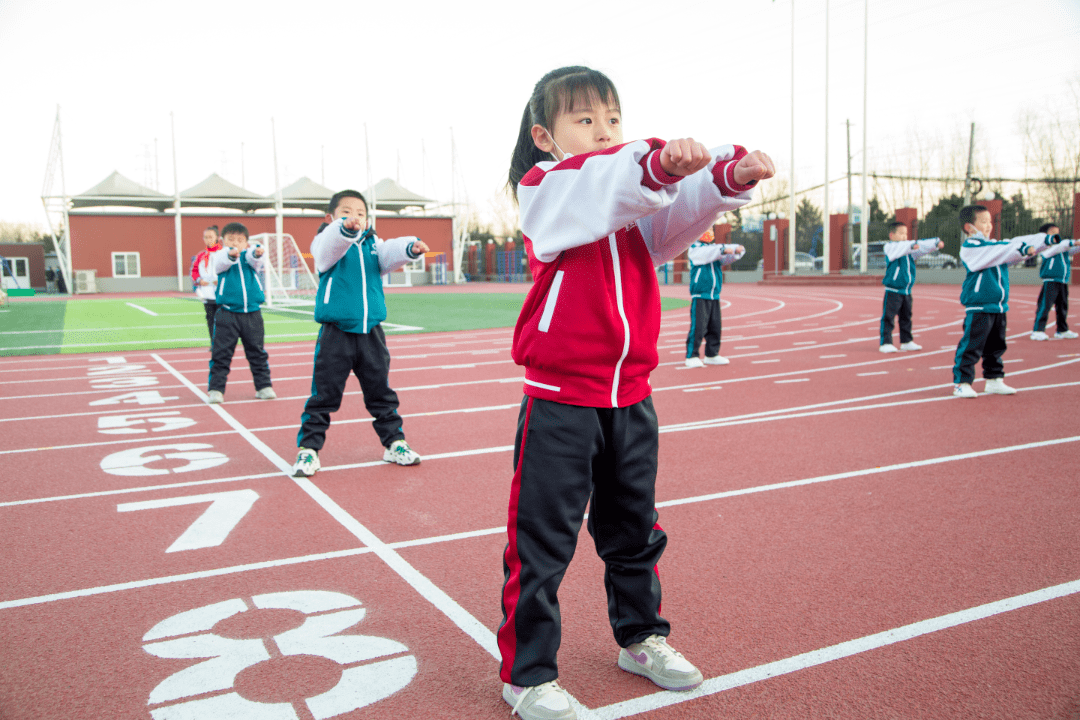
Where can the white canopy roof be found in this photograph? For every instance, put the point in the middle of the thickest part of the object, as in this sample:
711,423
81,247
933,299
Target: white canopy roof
117,191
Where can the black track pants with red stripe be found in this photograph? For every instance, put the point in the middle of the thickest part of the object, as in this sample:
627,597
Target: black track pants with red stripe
565,457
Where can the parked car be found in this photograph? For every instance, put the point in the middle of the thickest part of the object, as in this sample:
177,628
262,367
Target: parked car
875,256
938,260
803,261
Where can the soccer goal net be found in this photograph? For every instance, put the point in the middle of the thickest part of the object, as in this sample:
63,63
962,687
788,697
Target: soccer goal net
289,280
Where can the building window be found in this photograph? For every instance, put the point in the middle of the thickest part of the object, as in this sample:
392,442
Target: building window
125,264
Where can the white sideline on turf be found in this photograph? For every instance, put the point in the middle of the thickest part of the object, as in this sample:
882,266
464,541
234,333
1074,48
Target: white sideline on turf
427,589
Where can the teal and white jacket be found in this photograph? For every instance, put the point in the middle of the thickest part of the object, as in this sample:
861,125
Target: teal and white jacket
706,267
239,288
351,266
1057,261
986,287
900,272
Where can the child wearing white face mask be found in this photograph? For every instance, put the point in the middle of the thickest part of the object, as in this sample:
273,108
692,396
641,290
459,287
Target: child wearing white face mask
597,217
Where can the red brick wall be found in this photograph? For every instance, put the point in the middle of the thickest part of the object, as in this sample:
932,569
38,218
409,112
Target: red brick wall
94,237
35,255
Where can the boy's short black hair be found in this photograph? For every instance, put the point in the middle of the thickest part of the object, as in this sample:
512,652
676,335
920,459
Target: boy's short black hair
234,227
1045,227
214,228
968,213
339,196
896,224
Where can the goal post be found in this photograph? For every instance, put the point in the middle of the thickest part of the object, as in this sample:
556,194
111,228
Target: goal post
288,277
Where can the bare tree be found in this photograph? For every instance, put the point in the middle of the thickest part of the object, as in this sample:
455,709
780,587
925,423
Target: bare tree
1051,142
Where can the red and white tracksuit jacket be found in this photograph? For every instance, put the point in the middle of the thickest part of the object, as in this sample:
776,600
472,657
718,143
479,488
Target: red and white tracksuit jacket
596,226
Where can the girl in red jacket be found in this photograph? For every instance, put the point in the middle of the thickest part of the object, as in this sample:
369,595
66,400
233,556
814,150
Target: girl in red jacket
597,216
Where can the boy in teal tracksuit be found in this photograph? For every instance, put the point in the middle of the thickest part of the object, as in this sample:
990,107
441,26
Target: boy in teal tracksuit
239,294
898,281
1055,271
985,294
351,307
707,261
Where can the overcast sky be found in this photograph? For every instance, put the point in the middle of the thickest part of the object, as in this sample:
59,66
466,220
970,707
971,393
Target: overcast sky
716,70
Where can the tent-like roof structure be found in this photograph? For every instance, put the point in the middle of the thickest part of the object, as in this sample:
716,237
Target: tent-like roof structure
388,195
117,191
216,191
306,194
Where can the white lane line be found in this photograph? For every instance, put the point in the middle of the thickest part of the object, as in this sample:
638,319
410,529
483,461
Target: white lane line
760,362
712,686
117,587
830,357
140,307
942,367
793,380
866,374
806,342
748,347
427,589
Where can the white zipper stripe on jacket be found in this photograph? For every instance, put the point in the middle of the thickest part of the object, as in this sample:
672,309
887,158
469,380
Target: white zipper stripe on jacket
1001,304
326,295
622,313
713,269
243,285
363,280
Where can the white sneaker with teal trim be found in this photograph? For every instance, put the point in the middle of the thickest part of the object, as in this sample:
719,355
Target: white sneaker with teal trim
547,701
716,360
655,659
694,362
307,463
1039,336
215,397
964,390
887,348
1067,335
399,452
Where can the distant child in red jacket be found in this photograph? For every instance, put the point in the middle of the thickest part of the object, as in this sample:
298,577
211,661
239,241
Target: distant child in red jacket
203,277
597,216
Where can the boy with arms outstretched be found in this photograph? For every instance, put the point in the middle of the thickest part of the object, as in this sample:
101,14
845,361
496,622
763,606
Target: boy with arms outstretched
707,261
1055,271
351,307
985,294
239,294
898,281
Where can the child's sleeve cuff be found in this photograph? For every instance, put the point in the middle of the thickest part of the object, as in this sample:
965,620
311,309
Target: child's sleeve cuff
655,177
724,174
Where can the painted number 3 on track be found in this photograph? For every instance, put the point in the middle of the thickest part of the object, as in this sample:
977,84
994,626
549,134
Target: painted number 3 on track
255,674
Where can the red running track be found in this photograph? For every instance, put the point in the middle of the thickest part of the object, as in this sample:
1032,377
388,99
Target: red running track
846,539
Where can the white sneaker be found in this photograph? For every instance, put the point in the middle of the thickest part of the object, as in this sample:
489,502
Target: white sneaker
655,659
547,701
1067,335
716,360
694,362
215,397
964,390
887,348
1039,335
267,393
909,346
997,386
307,463
399,452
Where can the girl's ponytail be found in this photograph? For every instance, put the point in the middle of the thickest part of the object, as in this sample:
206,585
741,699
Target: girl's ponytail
526,154
558,91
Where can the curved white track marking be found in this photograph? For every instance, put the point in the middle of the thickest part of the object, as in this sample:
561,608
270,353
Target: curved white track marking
781,305
464,620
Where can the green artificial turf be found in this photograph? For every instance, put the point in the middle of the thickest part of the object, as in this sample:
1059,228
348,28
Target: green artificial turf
112,324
